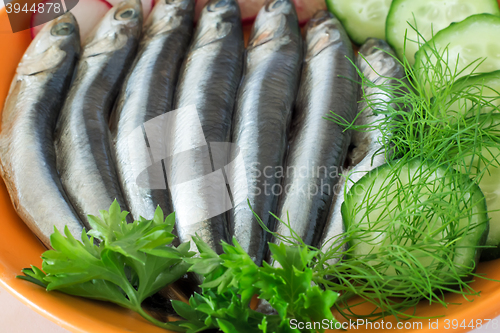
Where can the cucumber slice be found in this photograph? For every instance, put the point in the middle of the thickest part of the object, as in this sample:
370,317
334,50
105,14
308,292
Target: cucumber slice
466,91
402,217
362,19
429,17
487,161
490,186
473,39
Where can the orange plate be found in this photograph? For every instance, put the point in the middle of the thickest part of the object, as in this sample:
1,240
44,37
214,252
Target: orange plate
19,248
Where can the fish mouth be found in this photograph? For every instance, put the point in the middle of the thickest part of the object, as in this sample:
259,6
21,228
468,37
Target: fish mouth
320,17
273,23
278,5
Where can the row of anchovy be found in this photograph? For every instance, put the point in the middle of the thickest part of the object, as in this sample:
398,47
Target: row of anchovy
122,115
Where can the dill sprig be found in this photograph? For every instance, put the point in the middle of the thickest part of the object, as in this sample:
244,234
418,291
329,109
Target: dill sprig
447,121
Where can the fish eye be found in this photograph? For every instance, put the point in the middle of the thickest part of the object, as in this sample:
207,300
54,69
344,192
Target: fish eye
62,29
218,5
125,14
275,4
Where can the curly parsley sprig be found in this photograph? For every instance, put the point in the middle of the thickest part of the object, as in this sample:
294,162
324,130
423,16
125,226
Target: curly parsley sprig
132,261
232,278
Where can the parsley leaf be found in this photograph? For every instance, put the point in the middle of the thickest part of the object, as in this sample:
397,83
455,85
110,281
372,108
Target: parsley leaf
132,262
232,278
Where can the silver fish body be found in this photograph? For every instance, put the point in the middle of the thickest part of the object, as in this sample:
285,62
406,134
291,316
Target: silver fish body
262,120
378,65
147,93
318,147
209,80
28,162
83,143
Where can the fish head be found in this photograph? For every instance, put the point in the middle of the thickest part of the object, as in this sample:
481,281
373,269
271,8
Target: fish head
378,55
373,45
60,31
122,21
127,15
51,44
217,20
276,19
168,15
322,31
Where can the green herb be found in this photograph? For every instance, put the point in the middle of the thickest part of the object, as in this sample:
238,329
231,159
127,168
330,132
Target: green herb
131,263
413,238
429,116
434,117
